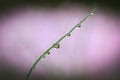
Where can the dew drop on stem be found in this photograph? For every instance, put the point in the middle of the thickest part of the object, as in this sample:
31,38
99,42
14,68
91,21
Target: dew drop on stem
57,46
91,13
68,34
48,53
78,26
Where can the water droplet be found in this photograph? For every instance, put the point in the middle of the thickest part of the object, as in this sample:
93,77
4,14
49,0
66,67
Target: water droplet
48,53
78,26
57,46
92,13
68,34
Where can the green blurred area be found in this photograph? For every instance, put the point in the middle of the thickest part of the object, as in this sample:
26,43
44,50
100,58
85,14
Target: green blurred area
111,4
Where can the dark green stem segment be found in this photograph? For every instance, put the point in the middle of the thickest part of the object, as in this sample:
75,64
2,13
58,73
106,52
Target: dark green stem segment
57,42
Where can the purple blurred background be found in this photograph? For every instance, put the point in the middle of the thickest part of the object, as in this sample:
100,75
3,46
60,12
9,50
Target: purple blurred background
93,51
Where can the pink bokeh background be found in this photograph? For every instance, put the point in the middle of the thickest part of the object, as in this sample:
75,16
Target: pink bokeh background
26,32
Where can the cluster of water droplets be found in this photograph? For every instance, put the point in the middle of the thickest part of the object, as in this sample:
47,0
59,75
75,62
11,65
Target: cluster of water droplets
57,46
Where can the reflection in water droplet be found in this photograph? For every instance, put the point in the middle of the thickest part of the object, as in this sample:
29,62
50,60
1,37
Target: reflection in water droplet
56,46
68,34
91,13
78,26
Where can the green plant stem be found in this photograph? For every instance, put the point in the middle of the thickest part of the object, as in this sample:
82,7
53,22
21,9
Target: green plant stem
57,42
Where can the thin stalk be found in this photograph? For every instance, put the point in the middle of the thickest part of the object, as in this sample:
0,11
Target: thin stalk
57,42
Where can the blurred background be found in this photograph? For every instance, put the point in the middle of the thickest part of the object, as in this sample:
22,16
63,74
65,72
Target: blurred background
28,28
